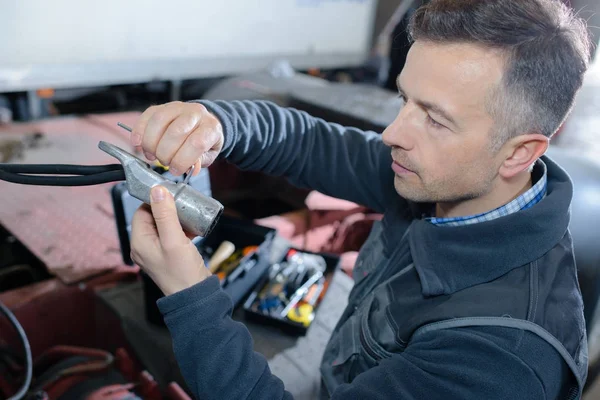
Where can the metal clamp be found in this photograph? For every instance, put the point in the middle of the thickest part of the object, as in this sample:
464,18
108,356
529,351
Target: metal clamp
197,213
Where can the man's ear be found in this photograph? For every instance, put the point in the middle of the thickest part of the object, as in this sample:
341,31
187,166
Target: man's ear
521,152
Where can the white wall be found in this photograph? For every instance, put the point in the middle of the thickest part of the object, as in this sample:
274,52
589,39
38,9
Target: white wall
59,42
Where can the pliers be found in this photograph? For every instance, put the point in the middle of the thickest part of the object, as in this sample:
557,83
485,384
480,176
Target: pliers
197,213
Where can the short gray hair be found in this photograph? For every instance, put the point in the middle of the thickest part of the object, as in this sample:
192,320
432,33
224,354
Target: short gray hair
547,53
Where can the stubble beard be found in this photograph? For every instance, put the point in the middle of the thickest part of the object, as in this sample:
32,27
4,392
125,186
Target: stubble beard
437,192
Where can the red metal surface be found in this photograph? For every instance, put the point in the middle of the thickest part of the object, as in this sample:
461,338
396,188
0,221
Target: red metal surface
70,229
53,313
56,390
101,359
69,377
64,380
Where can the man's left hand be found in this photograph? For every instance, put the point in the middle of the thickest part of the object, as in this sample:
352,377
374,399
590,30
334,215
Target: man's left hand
162,249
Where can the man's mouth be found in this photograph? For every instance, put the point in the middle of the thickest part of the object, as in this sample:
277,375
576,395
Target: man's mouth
400,169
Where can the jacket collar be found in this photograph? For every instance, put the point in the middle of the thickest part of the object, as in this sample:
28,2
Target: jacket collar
449,259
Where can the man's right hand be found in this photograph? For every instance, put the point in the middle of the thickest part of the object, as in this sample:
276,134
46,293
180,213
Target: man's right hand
179,135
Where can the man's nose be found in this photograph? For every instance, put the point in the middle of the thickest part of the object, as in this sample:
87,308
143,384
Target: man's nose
397,134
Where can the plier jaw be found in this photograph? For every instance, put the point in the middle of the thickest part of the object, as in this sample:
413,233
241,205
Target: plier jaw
197,213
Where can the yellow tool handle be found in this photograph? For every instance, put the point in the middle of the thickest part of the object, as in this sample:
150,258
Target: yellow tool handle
223,252
302,314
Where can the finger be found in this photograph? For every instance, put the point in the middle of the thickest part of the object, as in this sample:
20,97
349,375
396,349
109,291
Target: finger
208,158
156,127
144,236
175,135
203,139
164,211
140,126
143,222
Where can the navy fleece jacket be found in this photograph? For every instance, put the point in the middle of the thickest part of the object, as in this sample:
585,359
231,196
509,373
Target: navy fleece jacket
216,354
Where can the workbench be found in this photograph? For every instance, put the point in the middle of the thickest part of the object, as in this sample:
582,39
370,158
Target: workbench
71,230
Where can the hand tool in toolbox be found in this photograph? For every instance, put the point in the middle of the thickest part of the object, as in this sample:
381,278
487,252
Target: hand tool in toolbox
197,213
235,261
304,312
229,263
224,251
293,288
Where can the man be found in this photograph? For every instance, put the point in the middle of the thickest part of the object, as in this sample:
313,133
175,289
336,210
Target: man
468,286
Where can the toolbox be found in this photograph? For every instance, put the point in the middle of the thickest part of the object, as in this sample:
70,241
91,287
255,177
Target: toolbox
246,272
290,292
286,294
246,269
243,247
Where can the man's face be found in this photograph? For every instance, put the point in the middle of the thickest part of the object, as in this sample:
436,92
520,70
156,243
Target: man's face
441,139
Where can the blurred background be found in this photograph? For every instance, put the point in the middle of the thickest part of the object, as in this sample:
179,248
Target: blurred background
70,70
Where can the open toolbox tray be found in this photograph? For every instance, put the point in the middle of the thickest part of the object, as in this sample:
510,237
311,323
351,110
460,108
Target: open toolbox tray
270,309
252,267
242,233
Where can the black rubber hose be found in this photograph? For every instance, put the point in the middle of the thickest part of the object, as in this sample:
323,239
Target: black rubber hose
104,177
59,169
26,347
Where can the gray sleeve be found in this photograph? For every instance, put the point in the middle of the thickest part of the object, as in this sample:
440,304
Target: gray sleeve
339,161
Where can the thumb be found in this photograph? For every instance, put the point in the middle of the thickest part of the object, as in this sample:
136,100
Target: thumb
164,211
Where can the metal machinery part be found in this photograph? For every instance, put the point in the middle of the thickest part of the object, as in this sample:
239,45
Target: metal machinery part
197,213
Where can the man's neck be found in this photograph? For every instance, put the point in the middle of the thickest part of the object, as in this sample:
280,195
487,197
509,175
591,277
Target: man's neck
501,194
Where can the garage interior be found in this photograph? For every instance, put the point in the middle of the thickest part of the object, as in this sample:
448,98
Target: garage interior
68,78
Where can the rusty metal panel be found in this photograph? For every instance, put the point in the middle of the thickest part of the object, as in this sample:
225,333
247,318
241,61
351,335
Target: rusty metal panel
70,229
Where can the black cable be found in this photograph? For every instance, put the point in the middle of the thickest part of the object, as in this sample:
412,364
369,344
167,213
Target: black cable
27,348
59,169
93,179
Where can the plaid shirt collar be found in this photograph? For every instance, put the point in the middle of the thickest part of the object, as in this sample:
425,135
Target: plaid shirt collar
526,200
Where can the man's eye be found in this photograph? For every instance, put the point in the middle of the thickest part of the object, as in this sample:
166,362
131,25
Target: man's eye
433,122
402,96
